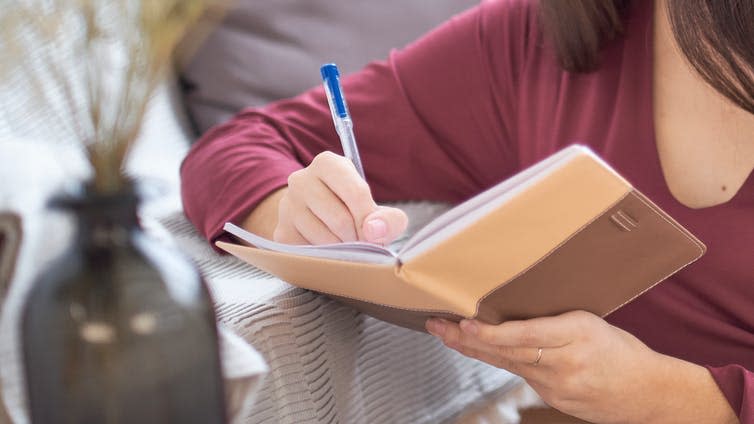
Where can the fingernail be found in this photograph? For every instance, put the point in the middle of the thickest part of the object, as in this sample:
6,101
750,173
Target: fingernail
469,326
436,327
376,229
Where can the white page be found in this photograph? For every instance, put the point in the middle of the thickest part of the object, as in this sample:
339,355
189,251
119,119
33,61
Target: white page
352,251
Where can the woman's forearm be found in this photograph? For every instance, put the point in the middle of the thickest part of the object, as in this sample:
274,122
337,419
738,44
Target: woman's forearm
687,393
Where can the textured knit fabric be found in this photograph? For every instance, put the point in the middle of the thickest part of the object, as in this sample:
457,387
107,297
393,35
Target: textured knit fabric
468,105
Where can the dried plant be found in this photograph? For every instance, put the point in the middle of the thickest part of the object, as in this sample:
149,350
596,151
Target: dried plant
96,63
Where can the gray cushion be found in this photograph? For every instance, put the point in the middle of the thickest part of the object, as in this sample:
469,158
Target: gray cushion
271,49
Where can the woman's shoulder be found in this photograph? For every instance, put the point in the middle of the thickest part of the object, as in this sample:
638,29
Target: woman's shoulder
517,18
510,37
511,28
516,8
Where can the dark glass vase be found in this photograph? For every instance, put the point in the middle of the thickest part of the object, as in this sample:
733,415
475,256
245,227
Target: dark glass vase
120,329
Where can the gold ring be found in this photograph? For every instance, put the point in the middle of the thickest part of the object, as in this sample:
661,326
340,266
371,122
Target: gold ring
539,356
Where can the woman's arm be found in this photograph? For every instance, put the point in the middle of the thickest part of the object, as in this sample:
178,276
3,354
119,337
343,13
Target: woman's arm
428,122
592,370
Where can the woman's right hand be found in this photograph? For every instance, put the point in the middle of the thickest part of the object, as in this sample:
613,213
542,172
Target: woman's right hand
328,202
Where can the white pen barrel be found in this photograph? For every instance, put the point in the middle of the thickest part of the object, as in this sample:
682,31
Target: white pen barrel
348,140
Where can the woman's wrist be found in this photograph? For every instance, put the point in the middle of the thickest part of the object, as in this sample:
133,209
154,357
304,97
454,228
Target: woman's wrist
263,219
685,393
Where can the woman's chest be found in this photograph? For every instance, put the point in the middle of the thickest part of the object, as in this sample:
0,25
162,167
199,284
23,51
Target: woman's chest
705,142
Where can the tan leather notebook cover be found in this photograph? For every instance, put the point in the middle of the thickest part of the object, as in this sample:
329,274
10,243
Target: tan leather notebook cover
566,234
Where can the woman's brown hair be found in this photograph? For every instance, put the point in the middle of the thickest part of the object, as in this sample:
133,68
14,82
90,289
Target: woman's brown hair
716,36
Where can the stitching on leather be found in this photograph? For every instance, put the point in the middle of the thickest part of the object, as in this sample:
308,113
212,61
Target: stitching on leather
700,246
633,193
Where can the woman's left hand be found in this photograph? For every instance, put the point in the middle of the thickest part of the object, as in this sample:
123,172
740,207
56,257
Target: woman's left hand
577,362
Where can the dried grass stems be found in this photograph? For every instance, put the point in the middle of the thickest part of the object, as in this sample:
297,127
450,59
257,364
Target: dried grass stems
96,63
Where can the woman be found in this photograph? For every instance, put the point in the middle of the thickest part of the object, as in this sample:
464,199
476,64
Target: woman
664,91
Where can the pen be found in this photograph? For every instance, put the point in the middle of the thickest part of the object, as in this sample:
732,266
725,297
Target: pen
340,115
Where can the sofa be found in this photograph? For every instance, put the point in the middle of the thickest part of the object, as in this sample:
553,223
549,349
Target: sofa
289,355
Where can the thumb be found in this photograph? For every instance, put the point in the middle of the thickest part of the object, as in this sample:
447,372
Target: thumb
384,225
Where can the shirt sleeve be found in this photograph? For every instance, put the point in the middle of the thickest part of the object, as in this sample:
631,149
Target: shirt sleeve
737,384
429,121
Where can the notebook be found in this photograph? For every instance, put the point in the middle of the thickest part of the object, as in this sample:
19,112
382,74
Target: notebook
568,233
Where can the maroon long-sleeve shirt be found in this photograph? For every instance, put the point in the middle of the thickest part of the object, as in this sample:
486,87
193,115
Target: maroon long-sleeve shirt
470,104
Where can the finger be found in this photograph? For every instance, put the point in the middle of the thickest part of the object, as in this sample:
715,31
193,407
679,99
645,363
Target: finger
384,225
536,332
523,369
340,176
331,211
452,335
526,370
312,228
289,235
456,337
307,192
285,231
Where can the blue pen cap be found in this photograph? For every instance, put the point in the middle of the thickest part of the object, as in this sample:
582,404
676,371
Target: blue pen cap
331,77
